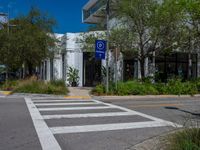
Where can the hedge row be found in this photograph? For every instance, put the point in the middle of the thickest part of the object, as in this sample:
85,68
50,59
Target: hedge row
173,87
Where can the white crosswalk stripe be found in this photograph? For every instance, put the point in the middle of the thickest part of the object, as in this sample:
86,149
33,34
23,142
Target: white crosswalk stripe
61,100
88,115
106,127
56,106
73,108
63,104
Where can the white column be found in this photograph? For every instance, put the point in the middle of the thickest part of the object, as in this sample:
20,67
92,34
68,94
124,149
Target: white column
48,70
139,70
146,67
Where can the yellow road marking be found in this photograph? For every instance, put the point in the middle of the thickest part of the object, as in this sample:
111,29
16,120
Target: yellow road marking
77,97
155,105
6,92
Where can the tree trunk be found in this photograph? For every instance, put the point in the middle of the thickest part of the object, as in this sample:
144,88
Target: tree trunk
30,69
142,68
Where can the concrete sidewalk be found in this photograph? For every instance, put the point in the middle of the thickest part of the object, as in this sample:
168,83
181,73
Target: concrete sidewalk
79,92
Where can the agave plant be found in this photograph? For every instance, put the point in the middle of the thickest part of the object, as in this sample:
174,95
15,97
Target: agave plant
72,76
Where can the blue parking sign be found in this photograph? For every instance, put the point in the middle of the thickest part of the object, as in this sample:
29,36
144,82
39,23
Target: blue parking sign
100,49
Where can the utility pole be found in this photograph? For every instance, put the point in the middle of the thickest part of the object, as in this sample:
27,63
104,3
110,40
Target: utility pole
8,28
107,52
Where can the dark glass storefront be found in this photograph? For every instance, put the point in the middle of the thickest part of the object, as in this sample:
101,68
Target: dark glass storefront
92,69
129,69
176,64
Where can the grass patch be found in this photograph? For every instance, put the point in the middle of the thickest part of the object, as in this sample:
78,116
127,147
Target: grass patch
188,139
56,87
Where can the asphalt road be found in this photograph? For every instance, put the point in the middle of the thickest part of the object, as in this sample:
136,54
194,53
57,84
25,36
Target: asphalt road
181,110
52,123
17,131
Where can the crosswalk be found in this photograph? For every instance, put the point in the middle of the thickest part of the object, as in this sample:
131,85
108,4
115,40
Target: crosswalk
43,110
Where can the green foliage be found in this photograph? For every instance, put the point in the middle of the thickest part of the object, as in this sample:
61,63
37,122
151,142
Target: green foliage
87,40
98,90
135,88
188,139
173,87
28,41
9,85
40,87
58,83
177,87
72,76
122,39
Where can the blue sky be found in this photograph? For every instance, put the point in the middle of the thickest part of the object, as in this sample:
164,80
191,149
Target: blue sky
66,12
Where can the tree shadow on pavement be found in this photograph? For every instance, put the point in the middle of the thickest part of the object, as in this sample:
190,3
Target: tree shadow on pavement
185,111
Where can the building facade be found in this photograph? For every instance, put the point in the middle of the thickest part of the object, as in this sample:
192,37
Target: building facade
162,66
69,53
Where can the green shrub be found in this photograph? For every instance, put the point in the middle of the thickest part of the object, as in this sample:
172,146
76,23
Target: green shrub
198,86
189,88
188,139
58,83
9,85
161,88
98,90
174,87
135,88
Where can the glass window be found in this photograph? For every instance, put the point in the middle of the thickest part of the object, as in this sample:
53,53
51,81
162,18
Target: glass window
182,57
194,57
171,58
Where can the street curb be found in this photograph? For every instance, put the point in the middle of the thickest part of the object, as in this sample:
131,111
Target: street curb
134,97
77,97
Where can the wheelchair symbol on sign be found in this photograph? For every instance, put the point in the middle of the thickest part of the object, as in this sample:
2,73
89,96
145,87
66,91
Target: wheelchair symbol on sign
101,45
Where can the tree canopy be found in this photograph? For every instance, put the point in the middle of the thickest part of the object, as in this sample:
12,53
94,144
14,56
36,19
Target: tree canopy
28,41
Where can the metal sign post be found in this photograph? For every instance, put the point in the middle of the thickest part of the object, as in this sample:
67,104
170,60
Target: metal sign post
107,52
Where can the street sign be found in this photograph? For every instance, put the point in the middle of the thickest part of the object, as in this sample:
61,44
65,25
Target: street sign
100,49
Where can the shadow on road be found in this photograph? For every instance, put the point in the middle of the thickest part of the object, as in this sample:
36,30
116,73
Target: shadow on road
185,111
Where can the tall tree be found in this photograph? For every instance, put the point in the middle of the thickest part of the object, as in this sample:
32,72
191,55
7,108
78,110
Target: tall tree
87,40
153,25
28,41
190,29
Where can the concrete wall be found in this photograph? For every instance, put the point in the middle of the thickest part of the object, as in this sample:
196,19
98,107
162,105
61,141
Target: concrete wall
74,55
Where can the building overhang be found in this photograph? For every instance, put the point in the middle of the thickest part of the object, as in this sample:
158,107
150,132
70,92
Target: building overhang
94,12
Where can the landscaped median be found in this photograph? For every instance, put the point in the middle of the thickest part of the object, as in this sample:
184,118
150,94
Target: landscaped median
173,87
35,86
182,139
